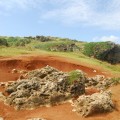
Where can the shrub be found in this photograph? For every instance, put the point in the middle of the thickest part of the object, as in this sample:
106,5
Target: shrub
74,75
18,41
3,42
96,49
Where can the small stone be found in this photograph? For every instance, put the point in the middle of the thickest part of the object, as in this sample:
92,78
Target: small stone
14,71
23,72
94,71
1,118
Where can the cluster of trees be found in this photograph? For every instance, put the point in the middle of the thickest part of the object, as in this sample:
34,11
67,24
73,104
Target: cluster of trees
3,42
106,51
13,41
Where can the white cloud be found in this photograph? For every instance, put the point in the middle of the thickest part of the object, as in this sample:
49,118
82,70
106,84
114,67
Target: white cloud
111,38
88,12
99,13
8,5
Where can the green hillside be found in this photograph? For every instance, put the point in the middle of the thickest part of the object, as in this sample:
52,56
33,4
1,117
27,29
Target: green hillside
88,53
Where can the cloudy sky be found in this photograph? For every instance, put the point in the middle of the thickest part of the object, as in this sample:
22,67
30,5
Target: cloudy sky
87,20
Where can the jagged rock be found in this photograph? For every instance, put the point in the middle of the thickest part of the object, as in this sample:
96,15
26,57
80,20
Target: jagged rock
2,97
3,84
65,47
43,86
99,81
78,88
14,71
98,102
22,71
1,118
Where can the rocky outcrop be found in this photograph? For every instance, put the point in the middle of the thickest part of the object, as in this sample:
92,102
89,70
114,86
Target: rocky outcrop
77,88
49,86
65,48
112,55
96,103
43,86
100,82
46,86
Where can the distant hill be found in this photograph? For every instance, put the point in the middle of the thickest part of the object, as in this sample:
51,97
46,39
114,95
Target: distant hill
106,51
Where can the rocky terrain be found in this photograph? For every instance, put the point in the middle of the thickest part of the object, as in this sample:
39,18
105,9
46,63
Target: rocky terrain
95,103
49,86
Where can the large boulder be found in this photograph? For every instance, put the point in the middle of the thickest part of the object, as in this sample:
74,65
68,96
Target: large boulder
46,86
98,102
43,86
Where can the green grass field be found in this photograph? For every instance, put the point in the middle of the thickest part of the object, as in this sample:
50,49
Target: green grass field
77,56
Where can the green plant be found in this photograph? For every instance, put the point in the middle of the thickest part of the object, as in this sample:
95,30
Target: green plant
96,49
3,42
74,75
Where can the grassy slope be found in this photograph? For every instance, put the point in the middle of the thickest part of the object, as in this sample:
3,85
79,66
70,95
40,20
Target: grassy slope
79,57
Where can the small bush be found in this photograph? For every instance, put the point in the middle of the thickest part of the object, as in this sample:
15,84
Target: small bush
18,41
3,42
96,49
74,75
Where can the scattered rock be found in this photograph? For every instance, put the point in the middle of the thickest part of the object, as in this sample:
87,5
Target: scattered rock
89,104
94,71
1,118
14,71
2,97
22,71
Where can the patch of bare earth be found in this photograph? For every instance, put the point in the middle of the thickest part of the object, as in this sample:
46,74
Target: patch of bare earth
60,112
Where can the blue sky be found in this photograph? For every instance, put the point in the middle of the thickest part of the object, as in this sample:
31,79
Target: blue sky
86,20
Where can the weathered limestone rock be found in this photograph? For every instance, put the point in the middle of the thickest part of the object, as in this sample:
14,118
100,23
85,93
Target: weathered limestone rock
14,71
2,97
90,104
78,88
1,118
43,86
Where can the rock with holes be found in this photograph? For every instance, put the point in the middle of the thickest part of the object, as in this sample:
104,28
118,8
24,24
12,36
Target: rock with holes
14,71
77,88
2,97
42,87
1,118
87,105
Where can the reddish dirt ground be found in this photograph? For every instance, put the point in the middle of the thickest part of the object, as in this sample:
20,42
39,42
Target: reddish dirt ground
34,62
60,112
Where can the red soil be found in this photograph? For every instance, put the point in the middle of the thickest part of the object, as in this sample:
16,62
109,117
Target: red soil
60,112
34,62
